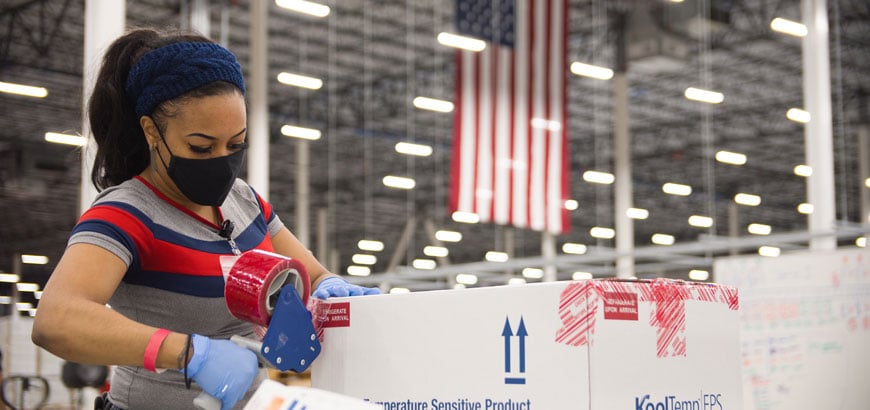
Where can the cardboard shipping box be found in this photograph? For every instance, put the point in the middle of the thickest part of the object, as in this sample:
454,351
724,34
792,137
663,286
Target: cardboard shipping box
597,344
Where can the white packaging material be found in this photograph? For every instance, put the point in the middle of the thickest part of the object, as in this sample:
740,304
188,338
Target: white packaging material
643,345
272,395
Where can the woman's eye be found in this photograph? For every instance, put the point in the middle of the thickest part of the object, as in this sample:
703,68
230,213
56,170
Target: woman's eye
239,146
200,150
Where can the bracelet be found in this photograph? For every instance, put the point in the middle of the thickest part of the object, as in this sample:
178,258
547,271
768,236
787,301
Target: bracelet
149,360
186,358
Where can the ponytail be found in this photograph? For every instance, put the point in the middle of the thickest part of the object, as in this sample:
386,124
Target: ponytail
122,150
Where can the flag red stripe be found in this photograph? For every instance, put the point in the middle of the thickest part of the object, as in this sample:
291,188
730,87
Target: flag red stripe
457,135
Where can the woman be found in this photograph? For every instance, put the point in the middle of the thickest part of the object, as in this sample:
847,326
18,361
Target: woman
169,117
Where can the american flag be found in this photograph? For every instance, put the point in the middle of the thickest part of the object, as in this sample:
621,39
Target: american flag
510,152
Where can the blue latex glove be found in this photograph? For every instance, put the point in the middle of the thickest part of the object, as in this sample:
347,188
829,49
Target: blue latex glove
222,368
335,286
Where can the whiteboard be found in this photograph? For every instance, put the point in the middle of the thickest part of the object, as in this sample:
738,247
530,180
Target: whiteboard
804,328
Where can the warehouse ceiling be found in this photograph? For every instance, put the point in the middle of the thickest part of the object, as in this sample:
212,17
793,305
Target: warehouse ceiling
376,56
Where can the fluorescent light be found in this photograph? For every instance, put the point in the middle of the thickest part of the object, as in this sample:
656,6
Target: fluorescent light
34,259
9,278
20,89
662,239
408,148
37,295
495,256
393,181
706,96
545,124
299,80
435,251
770,251
23,306
789,27
5,300
533,273
300,132
465,217
27,287
699,275
448,236
747,199
733,158
355,270
466,278
457,41
370,245
572,204
798,115
574,248
805,208
32,312
676,189
701,221
598,177
867,182
396,291
364,259
67,139
592,71
433,104
861,242
580,275
602,233
803,170
637,213
427,264
758,229
517,281
304,7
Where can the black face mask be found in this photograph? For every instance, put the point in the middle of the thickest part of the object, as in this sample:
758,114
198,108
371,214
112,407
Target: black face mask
204,181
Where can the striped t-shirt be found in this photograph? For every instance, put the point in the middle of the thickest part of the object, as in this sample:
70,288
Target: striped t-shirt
174,278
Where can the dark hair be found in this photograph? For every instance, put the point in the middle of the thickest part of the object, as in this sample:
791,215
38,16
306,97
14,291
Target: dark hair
122,150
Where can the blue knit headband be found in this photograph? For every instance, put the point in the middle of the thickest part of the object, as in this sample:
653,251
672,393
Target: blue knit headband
167,72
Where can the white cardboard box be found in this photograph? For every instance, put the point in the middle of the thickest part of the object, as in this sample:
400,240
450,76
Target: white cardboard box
598,344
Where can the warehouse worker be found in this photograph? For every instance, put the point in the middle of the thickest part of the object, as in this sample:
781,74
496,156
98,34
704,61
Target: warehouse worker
169,118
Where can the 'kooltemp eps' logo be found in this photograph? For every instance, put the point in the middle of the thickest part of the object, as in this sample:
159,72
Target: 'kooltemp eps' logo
508,335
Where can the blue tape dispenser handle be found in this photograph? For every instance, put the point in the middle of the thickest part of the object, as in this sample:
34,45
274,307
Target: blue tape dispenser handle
291,341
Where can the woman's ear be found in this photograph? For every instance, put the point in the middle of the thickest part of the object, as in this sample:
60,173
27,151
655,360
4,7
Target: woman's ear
150,130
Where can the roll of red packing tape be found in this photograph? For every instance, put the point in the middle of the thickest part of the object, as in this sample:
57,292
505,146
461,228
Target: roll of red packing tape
255,281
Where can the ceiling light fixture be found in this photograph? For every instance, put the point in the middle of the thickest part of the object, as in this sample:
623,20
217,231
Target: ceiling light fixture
580,275
299,80
747,199
495,256
861,242
798,115
769,251
662,239
805,208
418,150
792,28
370,245
598,177
733,158
701,221
758,229
465,217
34,259
364,259
26,287
637,213
354,270
457,41
397,291
574,248
393,181
699,275
423,264
591,71
433,104
602,233
21,89
533,273
304,7
705,96
300,132
67,139
9,278
516,281
571,204
466,279
803,170
672,188
448,236
435,251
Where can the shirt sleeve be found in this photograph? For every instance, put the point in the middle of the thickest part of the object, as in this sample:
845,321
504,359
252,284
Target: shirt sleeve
113,229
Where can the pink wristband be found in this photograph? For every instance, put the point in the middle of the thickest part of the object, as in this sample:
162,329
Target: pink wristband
149,360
